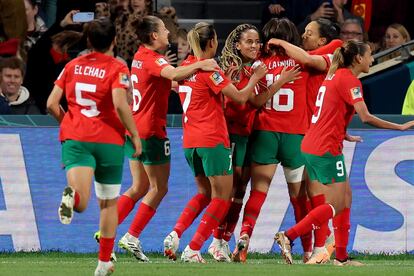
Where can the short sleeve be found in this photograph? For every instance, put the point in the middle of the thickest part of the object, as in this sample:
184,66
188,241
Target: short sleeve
156,64
351,90
61,79
216,81
121,78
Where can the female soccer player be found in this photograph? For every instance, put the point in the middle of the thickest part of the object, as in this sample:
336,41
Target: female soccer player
240,51
338,99
95,86
151,77
206,142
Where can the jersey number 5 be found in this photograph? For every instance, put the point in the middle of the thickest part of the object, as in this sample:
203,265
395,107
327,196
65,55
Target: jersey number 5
275,101
90,88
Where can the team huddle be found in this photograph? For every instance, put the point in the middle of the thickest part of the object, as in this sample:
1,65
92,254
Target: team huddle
260,106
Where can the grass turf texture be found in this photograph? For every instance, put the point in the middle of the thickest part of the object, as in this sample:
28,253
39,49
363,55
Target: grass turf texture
56,263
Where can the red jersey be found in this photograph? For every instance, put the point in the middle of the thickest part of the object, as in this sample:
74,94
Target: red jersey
150,93
87,82
333,112
316,78
286,111
240,117
203,118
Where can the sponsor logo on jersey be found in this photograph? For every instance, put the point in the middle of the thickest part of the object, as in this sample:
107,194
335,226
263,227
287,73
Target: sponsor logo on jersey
161,62
356,93
216,78
137,64
124,79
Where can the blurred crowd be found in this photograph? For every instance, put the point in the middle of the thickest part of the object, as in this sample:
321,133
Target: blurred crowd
38,37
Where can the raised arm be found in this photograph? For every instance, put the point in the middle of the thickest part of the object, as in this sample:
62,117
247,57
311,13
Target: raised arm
182,72
312,61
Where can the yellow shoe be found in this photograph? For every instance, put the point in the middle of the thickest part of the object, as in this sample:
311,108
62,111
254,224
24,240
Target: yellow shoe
319,256
347,262
285,247
306,256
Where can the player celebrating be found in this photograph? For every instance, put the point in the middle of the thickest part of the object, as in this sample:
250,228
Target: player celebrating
95,86
206,143
240,51
338,99
151,77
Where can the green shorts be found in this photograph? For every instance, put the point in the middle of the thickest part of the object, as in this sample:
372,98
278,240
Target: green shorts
106,159
239,148
327,169
269,147
209,161
155,151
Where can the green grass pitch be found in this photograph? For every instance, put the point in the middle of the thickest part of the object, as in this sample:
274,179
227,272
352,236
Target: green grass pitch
16,264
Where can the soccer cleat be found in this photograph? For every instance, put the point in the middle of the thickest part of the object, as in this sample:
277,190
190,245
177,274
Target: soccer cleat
319,256
285,247
240,252
171,243
347,262
330,245
104,268
226,248
218,252
192,256
306,256
133,245
66,205
97,236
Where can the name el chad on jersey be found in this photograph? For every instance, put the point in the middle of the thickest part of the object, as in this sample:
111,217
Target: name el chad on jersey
89,71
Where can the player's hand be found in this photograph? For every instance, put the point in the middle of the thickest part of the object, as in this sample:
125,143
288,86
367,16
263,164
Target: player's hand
136,141
171,57
272,42
291,74
407,125
260,71
352,138
209,65
231,73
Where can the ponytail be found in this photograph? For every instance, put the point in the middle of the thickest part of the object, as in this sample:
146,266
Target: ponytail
199,36
344,56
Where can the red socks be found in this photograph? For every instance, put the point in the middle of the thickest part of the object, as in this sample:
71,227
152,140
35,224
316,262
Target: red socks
232,219
317,216
252,211
77,200
125,206
212,217
105,248
342,225
300,208
141,219
190,212
321,231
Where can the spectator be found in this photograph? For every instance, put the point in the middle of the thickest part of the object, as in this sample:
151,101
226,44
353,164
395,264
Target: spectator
351,29
47,58
395,35
183,47
35,25
11,24
342,14
17,96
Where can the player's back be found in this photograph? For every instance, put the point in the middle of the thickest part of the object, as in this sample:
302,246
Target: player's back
286,111
88,83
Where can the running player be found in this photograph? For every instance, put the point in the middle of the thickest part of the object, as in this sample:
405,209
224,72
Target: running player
206,143
95,87
151,77
239,53
338,99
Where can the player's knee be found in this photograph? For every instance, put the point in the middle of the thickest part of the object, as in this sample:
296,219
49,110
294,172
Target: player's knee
294,175
107,191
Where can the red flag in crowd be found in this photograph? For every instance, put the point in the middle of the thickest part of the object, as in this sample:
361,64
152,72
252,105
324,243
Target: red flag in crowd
363,8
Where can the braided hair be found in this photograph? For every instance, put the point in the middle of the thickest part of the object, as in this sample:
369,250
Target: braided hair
230,56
